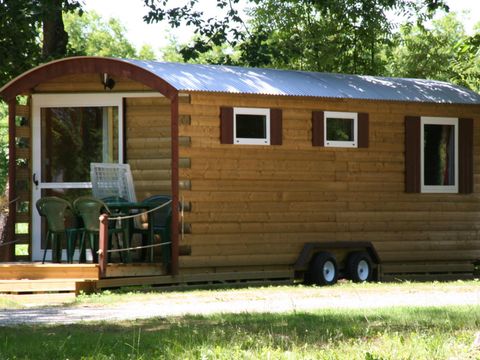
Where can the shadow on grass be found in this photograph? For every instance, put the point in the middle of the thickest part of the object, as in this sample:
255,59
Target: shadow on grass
175,337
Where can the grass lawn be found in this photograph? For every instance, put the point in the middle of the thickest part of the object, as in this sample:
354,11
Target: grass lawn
400,333
229,292
368,334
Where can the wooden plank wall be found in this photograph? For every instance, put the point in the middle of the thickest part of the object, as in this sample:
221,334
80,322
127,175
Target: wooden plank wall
86,83
257,205
149,145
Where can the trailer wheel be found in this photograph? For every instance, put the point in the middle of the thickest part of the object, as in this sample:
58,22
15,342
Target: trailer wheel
359,266
323,269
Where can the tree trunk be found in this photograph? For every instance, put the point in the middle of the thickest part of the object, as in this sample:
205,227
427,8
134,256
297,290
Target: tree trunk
55,38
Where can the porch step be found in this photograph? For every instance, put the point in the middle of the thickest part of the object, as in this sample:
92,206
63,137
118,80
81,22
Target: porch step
40,299
74,286
39,271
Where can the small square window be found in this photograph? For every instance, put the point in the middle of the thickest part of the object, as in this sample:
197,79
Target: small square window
251,126
439,155
341,129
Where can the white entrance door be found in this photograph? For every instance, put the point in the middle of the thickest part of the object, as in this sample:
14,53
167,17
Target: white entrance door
70,132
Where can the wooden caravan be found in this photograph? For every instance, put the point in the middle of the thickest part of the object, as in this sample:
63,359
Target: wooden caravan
273,170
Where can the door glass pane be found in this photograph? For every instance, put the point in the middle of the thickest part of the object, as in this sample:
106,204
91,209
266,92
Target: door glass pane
73,137
439,154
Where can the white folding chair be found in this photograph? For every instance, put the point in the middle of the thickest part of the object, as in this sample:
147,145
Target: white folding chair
112,180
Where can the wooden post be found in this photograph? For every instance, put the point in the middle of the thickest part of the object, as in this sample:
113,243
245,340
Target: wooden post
103,245
175,185
8,251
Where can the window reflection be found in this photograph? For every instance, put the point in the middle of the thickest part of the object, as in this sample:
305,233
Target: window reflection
439,154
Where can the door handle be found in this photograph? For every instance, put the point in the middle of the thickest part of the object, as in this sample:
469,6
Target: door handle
34,179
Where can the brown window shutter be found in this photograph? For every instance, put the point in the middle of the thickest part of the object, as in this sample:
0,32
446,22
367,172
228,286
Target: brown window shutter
412,154
318,128
226,125
363,130
465,156
276,127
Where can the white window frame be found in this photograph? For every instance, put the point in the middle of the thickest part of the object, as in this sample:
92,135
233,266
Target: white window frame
427,120
251,111
341,115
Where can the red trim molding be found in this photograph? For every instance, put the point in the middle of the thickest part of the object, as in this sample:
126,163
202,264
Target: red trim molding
9,250
412,154
363,130
226,125
465,156
83,65
318,128
276,126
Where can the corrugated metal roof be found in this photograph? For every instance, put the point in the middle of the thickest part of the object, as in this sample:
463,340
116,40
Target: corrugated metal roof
241,80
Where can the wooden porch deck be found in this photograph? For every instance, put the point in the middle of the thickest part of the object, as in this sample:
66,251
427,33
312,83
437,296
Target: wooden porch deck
33,277
38,278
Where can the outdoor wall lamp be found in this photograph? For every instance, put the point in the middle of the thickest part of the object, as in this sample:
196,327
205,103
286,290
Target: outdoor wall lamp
108,82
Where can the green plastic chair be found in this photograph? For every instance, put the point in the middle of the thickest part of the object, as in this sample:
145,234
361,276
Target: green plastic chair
89,209
162,219
127,225
56,210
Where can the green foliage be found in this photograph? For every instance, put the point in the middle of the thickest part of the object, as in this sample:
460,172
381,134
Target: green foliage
347,36
171,52
90,35
334,36
466,67
400,333
210,33
221,54
21,37
21,250
443,52
146,52
3,146
424,52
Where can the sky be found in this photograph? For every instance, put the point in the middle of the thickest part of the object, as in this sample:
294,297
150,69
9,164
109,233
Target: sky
131,12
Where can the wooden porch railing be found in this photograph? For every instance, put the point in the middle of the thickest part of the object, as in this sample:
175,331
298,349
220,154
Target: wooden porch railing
103,245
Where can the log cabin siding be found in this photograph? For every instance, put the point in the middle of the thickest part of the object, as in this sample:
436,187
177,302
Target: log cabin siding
87,83
258,205
148,145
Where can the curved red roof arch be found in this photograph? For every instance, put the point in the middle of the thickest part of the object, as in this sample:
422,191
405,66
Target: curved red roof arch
83,65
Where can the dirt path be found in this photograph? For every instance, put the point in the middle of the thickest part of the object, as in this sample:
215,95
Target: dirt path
281,299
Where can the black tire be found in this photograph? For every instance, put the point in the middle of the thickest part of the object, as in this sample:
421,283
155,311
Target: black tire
323,269
359,267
